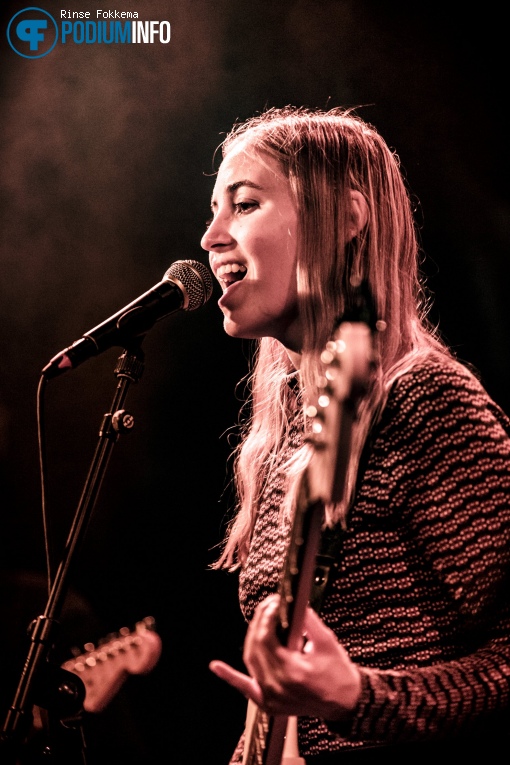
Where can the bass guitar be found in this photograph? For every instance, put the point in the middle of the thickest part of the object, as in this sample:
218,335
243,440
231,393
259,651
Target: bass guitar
347,365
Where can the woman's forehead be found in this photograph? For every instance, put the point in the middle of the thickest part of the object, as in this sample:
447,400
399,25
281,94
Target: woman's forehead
246,161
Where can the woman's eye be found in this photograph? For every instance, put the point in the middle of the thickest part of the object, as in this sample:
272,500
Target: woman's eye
208,222
244,207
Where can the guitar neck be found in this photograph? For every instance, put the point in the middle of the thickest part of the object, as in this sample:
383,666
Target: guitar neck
296,584
268,736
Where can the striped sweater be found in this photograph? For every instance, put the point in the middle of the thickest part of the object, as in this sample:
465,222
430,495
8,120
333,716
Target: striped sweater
420,592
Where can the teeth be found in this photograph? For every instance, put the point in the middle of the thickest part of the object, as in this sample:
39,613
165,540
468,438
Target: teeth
230,268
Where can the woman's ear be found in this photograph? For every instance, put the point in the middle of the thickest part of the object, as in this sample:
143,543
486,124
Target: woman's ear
358,214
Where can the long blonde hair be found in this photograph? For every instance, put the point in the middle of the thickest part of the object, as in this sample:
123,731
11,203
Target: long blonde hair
325,155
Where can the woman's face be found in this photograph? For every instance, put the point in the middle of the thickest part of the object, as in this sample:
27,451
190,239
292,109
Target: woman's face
252,244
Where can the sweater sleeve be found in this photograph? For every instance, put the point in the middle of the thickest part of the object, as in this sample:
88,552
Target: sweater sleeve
449,447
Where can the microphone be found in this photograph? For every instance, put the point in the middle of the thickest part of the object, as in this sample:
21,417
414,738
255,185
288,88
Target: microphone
186,285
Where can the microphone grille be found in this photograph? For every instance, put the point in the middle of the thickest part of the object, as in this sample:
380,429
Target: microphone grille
196,280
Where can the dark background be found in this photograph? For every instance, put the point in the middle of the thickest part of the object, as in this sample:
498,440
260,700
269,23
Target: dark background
106,162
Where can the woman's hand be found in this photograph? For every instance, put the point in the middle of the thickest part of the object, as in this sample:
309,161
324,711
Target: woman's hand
320,681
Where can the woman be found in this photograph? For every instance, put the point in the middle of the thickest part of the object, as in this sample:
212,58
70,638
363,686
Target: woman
410,648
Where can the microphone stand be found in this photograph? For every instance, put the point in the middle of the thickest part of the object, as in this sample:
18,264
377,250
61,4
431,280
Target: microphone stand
59,691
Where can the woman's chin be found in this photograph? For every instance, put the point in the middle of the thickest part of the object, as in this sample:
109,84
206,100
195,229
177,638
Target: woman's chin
236,330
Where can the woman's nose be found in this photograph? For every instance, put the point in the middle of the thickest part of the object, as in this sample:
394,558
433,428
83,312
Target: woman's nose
217,234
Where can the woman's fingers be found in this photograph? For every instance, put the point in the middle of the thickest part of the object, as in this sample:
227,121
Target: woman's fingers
243,683
261,642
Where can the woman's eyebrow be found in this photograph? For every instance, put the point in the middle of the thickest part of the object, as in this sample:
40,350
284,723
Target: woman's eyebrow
232,187
237,185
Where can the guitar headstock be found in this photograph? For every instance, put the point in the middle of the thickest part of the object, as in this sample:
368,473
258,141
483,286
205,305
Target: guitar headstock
105,668
347,364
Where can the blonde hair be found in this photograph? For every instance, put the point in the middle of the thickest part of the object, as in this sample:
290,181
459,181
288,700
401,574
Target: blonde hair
325,155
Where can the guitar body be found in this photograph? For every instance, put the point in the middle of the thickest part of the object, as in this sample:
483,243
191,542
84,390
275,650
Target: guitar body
347,359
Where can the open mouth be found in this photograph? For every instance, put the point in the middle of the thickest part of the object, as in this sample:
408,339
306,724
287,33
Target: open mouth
230,273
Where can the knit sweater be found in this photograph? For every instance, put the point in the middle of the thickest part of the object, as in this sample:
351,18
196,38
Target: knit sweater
419,592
